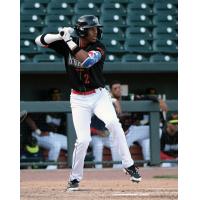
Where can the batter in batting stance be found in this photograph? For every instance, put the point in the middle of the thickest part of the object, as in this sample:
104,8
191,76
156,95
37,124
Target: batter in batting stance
84,59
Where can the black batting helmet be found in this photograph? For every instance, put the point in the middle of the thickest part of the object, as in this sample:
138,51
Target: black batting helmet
85,22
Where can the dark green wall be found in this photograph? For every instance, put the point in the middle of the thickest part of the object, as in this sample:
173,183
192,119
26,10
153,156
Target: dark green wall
36,86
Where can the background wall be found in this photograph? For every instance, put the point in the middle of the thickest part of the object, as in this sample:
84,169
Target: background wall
36,86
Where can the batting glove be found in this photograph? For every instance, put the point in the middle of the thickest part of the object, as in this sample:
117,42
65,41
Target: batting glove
65,33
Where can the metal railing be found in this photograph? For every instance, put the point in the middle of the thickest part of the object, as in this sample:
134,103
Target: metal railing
127,106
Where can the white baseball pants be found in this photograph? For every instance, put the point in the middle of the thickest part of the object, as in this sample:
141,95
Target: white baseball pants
54,142
83,106
141,135
98,143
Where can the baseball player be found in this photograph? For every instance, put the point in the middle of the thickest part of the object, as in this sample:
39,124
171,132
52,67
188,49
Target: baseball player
84,57
49,138
139,133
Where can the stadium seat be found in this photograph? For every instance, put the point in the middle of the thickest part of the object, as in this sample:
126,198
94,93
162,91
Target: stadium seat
175,2
112,20
90,8
139,7
71,2
162,58
165,20
134,58
24,58
60,8
114,8
139,20
27,47
31,20
45,50
51,29
90,1
165,7
112,58
113,33
33,8
38,1
29,33
113,46
117,1
149,2
137,45
165,32
133,32
165,45
46,58
57,21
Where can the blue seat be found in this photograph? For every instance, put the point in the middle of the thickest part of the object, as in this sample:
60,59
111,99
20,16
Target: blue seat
60,8
112,58
33,8
165,7
165,45
113,45
51,29
71,2
45,50
175,2
165,32
117,1
27,47
162,58
114,8
139,20
139,7
165,20
149,2
29,33
112,20
47,58
134,58
57,21
139,32
38,1
84,8
113,33
137,45
24,58
31,20
90,1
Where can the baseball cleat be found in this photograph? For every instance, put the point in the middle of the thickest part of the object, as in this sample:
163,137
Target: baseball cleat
73,185
133,172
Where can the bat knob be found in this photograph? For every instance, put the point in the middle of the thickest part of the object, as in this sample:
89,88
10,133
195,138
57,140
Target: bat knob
62,33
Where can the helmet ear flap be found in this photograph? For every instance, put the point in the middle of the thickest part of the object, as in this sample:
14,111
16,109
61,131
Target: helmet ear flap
80,31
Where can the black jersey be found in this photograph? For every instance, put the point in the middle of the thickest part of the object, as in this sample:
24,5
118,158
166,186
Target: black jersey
169,144
82,79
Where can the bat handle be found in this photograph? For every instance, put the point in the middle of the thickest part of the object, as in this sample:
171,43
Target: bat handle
62,33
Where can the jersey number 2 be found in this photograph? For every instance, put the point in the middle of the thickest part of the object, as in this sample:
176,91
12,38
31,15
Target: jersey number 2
86,79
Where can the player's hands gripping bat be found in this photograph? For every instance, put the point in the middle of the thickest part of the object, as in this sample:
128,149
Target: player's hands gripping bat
65,33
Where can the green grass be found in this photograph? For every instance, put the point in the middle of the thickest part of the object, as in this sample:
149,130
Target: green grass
167,176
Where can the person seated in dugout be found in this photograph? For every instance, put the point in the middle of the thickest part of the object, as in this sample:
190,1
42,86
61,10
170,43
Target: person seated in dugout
49,129
169,142
30,152
135,132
